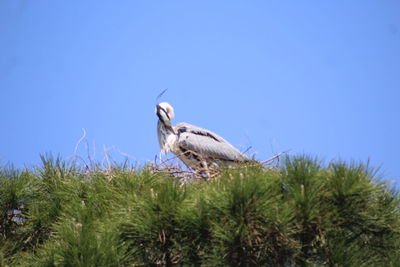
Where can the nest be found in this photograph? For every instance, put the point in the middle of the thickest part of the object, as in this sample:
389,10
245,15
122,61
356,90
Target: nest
175,168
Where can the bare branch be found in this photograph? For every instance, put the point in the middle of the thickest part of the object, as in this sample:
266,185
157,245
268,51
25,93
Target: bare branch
272,158
80,140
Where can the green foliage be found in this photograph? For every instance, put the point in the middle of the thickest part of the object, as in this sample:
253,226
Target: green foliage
303,214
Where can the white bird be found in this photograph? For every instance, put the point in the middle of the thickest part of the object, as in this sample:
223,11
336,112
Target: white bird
198,148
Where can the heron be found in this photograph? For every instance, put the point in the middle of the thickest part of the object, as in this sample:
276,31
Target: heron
198,148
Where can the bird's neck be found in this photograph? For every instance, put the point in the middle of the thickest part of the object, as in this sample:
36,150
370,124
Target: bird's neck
166,138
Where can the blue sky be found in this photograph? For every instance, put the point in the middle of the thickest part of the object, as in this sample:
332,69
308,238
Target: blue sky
315,77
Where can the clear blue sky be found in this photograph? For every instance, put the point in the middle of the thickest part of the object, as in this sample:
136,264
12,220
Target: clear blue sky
316,77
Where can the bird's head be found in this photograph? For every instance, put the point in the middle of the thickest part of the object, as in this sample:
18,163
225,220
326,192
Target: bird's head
165,113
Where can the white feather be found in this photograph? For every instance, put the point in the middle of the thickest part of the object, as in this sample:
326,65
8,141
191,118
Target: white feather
166,139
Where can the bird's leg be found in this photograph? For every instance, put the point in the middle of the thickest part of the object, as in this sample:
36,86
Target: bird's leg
205,169
160,157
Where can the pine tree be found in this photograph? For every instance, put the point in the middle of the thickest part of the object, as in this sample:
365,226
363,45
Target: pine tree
304,213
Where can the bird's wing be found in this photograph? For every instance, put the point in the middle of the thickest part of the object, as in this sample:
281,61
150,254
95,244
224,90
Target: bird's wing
206,143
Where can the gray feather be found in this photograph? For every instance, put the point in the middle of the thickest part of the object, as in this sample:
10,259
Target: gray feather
206,143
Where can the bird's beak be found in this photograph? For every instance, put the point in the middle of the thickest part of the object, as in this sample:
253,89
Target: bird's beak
163,116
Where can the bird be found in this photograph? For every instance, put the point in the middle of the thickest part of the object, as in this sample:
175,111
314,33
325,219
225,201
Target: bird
198,148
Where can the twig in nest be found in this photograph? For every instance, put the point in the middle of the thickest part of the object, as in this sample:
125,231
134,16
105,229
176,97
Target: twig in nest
165,167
